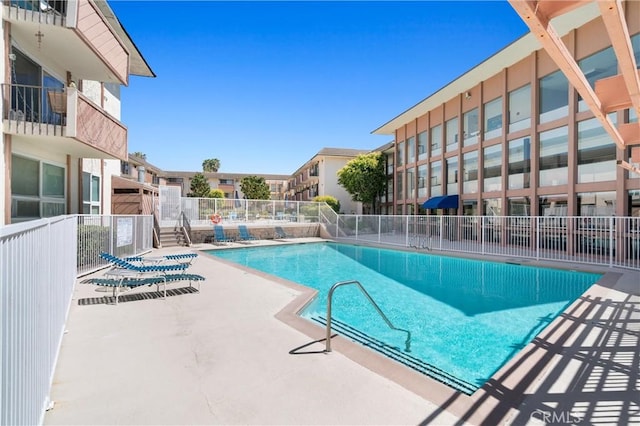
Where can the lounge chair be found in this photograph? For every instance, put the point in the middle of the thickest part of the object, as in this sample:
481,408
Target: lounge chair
219,235
127,275
244,235
186,258
279,233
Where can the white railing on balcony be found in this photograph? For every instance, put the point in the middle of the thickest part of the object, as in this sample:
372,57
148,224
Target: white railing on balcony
609,241
37,278
40,261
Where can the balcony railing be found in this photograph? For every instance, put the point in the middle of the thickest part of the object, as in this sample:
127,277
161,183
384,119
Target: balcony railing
63,113
51,12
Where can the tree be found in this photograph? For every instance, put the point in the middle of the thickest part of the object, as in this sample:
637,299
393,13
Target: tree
211,165
199,186
216,193
364,178
140,155
331,201
255,188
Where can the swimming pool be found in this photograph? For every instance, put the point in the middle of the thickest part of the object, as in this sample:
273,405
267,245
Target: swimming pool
467,318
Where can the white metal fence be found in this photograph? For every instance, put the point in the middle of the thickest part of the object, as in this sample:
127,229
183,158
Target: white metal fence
198,211
38,273
39,263
611,241
120,235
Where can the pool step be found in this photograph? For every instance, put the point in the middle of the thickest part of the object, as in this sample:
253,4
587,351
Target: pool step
397,354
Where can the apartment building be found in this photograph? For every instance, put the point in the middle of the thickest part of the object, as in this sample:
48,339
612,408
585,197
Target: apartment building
62,138
319,177
229,183
546,126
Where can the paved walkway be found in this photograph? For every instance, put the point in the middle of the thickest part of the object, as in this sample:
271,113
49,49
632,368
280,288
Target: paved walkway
226,355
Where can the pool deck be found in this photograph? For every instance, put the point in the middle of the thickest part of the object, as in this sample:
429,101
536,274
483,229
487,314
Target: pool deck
235,353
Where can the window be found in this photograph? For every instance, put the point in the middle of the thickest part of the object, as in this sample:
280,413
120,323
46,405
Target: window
411,183
554,97
90,193
400,154
400,186
470,208
492,172
390,191
436,140
519,163
520,109
554,157
436,178
470,127
599,65
452,175
390,164
451,127
493,119
597,203
422,146
596,152
553,205
422,181
492,206
37,189
519,206
411,150
470,169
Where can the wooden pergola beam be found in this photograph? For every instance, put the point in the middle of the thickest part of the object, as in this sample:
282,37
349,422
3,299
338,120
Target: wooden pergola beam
540,25
616,24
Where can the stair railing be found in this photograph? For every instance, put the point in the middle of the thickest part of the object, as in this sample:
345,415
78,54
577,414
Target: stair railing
373,303
186,228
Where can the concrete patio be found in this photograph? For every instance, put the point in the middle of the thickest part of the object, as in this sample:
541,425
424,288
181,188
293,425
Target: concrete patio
234,353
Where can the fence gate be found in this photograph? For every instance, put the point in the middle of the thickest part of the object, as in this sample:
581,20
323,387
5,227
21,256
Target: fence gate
169,207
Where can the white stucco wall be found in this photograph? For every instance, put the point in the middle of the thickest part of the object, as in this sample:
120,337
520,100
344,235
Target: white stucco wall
328,184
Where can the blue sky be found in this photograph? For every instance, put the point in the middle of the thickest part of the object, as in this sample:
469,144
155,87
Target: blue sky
263,86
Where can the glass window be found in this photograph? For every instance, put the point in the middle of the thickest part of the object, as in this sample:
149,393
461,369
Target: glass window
452,134
25,176
400,154
519,206
470,169
436,140
492,206
90,193
634,203
422,145
470,208
436,178
597,203
520,109
390,190
492,168
553,205
599,65
596,152
37,189
452,175
400,186
553,157
520,163
554,97
493,118
422,181
470,127
390,164
411,150
411,183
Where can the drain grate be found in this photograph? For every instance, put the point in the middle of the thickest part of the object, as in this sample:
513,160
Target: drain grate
398,355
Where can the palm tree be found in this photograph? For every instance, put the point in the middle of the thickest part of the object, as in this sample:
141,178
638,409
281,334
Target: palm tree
211,165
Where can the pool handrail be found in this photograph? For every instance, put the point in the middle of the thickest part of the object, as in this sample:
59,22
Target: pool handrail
373,303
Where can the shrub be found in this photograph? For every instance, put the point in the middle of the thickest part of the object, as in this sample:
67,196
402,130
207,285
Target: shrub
331,201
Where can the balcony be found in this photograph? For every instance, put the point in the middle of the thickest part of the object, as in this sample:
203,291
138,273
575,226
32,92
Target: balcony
65,118
75,33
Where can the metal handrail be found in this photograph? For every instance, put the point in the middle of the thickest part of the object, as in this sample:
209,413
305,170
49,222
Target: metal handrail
373,303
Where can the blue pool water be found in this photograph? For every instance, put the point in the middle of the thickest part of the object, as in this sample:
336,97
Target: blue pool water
466,317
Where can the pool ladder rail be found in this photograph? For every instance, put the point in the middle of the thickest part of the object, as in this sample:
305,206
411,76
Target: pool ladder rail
373,303
419,242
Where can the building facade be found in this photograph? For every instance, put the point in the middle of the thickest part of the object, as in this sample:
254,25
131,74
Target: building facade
513,136
62,138
319,177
